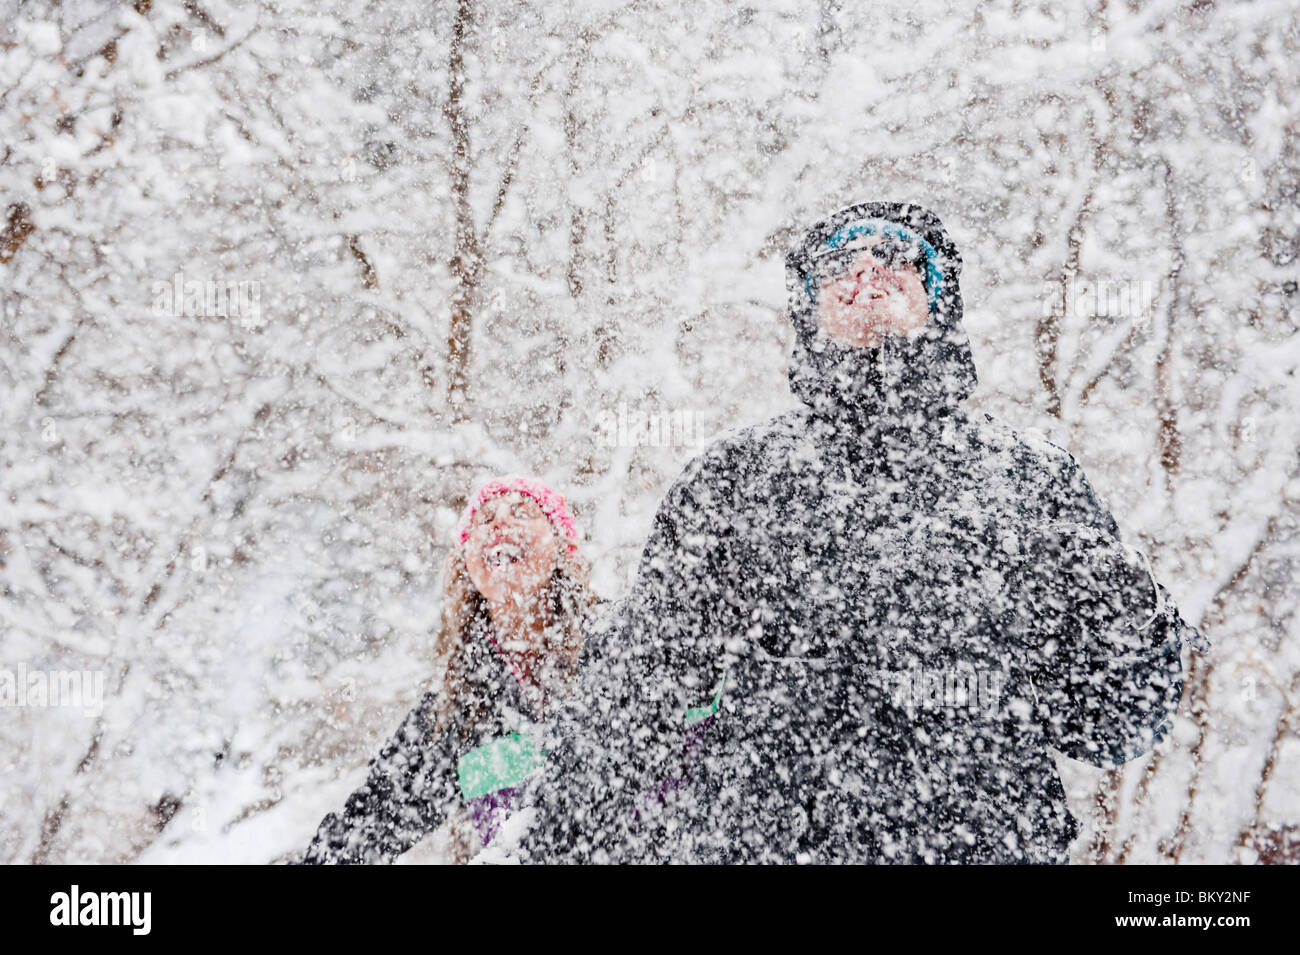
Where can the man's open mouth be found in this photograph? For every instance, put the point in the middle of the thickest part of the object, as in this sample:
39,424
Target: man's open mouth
866,293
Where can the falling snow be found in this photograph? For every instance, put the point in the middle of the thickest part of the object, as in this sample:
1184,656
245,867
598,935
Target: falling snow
282,282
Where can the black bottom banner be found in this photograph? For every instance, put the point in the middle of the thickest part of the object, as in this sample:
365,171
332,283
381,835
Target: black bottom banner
220,905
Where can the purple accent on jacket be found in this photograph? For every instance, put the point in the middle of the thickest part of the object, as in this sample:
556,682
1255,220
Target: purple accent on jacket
490,810
691,743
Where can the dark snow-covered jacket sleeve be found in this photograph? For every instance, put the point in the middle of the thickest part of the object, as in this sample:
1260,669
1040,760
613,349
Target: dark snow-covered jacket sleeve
1101,638
667,643
656,655
408,791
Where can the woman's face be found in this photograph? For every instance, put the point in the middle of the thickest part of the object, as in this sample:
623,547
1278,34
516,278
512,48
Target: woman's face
512,549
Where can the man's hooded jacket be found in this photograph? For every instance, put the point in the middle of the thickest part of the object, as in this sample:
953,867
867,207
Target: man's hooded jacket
888,610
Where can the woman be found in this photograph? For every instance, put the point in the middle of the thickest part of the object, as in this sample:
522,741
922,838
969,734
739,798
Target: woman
516,597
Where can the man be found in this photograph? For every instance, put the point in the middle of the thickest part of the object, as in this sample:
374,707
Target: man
885,609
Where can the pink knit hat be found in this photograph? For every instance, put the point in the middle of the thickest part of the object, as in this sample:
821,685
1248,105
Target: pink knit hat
549,500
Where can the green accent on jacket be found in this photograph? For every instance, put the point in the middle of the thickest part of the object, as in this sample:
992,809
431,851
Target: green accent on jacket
499,764
697,713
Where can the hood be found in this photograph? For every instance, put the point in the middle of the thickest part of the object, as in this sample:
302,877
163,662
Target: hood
905,383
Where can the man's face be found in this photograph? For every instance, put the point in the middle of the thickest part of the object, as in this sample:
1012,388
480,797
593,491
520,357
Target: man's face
863,304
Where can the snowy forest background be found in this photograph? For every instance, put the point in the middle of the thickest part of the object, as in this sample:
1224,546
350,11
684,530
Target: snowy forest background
481,236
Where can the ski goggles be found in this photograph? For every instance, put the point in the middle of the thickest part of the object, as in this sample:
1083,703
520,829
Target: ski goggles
890,251
895,245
